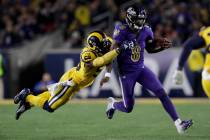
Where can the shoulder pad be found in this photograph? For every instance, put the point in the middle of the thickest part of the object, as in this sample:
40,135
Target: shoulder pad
120,26
147,27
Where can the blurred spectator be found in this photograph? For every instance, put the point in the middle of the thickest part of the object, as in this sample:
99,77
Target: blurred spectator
27,24
76,18
183,21
45,17
9,36
41,86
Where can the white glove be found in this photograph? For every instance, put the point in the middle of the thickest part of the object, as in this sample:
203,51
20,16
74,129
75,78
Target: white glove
206,74
178,77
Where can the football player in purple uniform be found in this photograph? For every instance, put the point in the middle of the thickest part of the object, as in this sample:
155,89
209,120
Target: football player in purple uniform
135,36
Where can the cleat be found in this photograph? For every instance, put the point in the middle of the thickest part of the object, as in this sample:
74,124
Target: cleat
110,110
183,126
21,95
21,109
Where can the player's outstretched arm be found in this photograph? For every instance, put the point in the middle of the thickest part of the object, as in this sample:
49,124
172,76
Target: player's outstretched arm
195,42
107,75
106,58
108,67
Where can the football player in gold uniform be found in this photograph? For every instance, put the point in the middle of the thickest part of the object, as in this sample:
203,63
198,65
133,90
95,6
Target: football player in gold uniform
93,58
202,39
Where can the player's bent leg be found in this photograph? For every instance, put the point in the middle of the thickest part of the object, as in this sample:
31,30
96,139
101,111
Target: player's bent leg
127,83
127,86
120,106
60,98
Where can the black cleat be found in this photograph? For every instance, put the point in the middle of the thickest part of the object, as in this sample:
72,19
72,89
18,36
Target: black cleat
110,109
21,96
23,107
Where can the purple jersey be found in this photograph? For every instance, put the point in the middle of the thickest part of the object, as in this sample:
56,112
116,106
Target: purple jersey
133,57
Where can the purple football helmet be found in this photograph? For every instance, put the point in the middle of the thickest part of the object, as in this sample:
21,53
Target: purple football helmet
136,17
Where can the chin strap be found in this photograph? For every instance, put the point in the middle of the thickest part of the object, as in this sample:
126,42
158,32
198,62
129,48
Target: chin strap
133,26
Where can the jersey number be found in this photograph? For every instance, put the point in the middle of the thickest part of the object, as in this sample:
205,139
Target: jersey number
135,56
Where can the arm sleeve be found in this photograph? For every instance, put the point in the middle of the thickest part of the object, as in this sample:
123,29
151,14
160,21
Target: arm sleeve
150,42
195,42
105,59
150,46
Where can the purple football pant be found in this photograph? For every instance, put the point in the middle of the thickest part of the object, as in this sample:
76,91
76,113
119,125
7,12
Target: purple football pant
148,80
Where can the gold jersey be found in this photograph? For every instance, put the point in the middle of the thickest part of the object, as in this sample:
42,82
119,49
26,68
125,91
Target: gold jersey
83,74
205,34
75,79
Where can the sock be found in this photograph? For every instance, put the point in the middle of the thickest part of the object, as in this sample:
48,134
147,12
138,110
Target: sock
120,106
169,107
38,100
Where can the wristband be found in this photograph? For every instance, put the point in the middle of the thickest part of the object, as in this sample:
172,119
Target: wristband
107,74
118,50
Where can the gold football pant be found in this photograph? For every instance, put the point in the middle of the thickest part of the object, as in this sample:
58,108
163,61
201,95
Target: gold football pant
49,101
62,93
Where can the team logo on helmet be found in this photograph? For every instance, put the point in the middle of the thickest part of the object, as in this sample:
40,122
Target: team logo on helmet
99,42
135,17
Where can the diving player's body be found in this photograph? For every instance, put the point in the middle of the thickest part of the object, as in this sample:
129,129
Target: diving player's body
135,36
93,58
200,40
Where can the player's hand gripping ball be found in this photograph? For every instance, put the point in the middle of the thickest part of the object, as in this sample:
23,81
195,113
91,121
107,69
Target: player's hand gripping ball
163,43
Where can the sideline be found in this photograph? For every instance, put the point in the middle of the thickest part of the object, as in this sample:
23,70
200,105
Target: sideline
137,101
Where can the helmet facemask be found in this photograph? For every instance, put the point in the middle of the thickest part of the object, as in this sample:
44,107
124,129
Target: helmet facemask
101,46
135,18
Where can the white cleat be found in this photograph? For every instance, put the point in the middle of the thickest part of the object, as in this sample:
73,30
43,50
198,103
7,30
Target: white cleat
182,126
110,110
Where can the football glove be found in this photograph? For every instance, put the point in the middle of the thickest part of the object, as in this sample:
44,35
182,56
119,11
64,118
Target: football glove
178,77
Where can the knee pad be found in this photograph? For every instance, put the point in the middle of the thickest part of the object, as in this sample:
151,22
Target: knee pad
47,107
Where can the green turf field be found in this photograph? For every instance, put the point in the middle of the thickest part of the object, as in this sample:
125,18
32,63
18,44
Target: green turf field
87,121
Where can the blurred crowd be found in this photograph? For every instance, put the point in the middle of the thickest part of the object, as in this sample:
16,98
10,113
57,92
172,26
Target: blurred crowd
22,20
177,19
